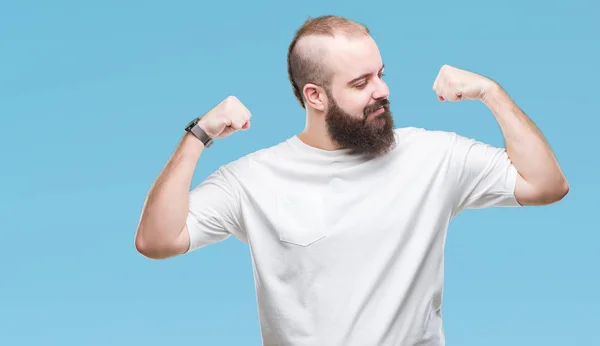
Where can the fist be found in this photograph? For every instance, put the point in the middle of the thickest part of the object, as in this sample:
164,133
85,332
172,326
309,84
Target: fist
453,84
225,118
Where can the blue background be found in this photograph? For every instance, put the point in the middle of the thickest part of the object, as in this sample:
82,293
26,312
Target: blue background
93,100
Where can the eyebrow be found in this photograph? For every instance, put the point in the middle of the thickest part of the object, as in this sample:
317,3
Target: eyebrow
365,75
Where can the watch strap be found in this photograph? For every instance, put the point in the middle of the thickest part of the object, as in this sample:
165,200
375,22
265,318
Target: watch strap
199,133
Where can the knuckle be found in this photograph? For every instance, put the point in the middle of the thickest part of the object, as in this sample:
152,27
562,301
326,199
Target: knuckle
229,102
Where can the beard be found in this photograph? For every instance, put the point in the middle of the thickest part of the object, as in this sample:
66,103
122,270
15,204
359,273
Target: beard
371,136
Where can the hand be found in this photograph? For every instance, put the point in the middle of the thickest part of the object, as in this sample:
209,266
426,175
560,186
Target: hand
453,84
227,117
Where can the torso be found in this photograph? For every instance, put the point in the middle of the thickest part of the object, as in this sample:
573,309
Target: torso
347,251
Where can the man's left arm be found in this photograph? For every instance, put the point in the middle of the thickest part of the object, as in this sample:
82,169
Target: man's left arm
540,180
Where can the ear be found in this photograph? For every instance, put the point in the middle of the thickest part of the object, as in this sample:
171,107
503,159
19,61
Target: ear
315,96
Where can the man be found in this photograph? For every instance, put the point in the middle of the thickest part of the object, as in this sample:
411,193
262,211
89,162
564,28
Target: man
346,221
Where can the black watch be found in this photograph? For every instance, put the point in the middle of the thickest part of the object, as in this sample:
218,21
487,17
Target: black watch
193,128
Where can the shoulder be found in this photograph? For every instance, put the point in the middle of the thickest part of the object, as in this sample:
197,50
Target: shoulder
253,161
421,138
437,144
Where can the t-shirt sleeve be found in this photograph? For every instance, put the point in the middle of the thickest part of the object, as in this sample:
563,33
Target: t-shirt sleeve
214,211
483,175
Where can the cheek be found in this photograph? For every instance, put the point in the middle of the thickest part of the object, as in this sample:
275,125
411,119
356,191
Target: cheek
356,104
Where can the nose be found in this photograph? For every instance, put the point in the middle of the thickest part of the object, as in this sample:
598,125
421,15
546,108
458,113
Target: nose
381,90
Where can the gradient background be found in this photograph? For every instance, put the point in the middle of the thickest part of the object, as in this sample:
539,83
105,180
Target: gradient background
94,97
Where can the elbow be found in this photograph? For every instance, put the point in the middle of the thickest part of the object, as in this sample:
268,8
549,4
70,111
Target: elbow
144,248
562,190
557,193
542,195
149,249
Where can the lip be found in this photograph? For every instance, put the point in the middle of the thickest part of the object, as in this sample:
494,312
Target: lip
377,111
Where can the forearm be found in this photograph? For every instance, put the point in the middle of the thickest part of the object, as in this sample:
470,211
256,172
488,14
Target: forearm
527,148
166,206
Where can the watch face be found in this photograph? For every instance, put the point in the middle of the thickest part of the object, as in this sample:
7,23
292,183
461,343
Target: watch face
191,124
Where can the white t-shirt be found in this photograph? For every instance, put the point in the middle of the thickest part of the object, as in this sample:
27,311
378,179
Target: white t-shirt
349,251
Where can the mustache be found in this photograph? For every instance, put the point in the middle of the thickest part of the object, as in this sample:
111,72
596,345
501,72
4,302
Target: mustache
385,103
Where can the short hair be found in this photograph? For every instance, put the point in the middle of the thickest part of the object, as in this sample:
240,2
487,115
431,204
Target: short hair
308,67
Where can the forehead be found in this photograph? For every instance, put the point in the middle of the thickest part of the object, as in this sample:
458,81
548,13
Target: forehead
350,57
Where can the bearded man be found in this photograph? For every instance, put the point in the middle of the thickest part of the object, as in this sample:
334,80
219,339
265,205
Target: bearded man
346,221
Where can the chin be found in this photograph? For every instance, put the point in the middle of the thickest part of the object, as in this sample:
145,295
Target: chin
378,119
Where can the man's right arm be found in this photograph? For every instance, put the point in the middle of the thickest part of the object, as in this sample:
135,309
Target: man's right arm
162,230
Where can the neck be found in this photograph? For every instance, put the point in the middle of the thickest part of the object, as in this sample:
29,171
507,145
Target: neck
315,132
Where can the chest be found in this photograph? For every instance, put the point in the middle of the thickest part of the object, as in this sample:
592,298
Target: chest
333,207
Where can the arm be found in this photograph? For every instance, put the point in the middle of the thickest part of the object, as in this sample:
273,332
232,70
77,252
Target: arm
540,180
163,231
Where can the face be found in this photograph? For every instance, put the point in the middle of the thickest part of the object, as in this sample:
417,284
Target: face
358,113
